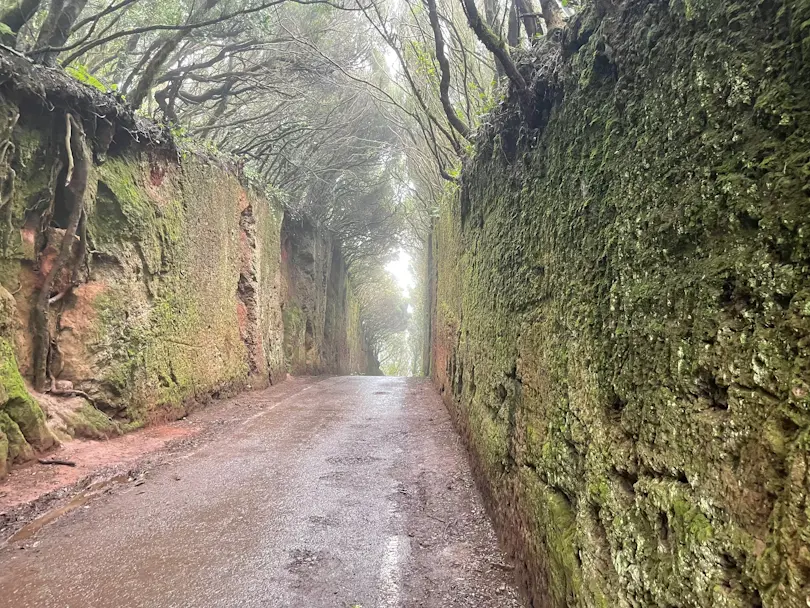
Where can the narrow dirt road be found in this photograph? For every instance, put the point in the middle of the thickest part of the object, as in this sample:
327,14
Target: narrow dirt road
349,492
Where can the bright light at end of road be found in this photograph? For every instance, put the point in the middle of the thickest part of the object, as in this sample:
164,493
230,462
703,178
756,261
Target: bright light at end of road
402,272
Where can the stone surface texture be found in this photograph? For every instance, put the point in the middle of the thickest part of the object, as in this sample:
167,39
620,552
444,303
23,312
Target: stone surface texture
621,308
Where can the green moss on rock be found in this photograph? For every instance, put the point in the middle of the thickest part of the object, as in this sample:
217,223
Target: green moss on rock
4,455
294,324
125,212
19,406
621,313
90,423
22,422
17,447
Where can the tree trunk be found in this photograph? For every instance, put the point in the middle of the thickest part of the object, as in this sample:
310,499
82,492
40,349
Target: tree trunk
124,58
219,110
526,13
552,14
152,70
150,73
494,44
15,18
491,15
444,69
513,33
62,14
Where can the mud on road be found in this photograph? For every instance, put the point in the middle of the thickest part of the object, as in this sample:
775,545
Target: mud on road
328,492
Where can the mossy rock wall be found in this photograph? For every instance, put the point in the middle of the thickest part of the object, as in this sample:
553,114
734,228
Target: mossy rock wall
321,315
183,291
23,428
22,422
166,313
170,307
621,318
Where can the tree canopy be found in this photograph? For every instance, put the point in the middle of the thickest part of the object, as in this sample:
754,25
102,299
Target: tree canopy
357,113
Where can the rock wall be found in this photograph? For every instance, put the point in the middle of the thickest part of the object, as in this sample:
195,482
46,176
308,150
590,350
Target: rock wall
174,290
621,310
322,328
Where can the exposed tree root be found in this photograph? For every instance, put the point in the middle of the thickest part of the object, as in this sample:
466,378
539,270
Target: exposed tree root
47,214
78,158
9,177
68,148
60,295
66,463
70,393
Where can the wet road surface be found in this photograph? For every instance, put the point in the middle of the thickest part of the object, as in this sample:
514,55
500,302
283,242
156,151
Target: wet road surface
336,492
